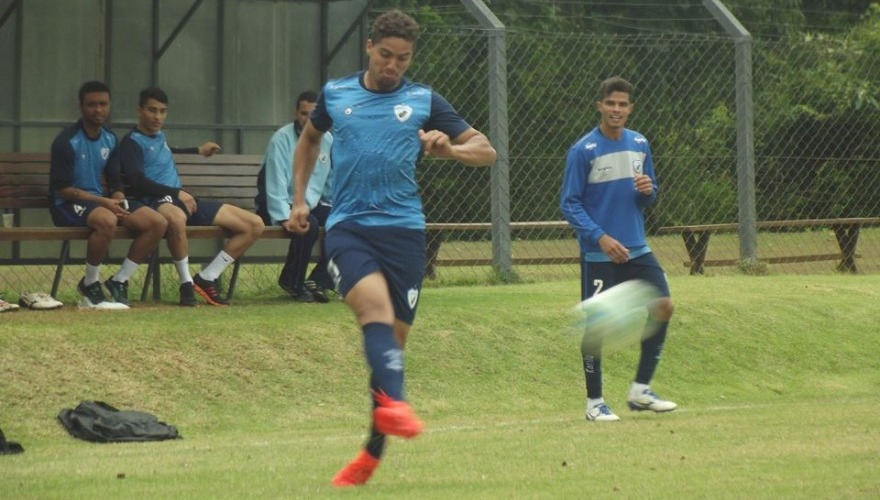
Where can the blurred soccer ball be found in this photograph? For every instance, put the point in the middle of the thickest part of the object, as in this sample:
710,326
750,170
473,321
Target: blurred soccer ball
616,317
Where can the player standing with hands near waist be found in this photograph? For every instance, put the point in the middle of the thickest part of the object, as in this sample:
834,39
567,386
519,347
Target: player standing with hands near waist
382,124
608,182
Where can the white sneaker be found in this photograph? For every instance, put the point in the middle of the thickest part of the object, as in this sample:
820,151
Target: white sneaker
105,305
39,301
7,306
601,413
648,400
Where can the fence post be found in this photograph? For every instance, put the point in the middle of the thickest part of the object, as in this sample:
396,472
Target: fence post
498,134
745,143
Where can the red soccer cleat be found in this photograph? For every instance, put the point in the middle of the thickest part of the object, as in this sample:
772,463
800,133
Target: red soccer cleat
357,472
395,418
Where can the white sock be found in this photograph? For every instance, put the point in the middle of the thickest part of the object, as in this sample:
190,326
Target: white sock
93,274
217,266
594,402
128,268
182,267
637,389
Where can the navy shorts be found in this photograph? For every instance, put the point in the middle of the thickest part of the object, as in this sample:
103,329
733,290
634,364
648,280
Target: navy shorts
356,251
598,276
76,214
206,210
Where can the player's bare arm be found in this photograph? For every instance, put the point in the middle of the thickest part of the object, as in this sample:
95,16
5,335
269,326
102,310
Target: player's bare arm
471,147
75,194
209,148
304,156
613,249
644,184
188,200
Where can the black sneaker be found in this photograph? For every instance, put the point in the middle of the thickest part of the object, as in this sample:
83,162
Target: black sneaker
92,294
208,291
285,286
118,291
303,295
317,292
187,295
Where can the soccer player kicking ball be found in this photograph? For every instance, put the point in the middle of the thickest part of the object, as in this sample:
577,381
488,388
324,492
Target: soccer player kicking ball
382,124
608,182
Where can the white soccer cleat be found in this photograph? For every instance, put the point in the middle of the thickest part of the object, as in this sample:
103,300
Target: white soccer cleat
39,301
85,303
648,400
601,413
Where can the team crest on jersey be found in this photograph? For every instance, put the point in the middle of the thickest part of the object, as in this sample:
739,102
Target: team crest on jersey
413,297
403,112
105,153
637,167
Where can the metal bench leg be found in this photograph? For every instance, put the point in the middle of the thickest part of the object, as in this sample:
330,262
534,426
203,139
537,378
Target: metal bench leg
145,290
848,238
697,244
157,276
234,278
59,269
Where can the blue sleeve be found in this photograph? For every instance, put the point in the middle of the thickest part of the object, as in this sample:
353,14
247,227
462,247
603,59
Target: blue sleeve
61,163
112,170
444,117
574,182
279,174
319,117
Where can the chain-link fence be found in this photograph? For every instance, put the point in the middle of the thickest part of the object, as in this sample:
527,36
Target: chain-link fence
816,120
814,155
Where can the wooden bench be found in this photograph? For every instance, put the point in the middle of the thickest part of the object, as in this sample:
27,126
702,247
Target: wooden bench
846,230
514,226
24,181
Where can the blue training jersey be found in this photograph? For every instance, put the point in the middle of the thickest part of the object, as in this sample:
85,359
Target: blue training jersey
376,146
78,160
148,165
599,195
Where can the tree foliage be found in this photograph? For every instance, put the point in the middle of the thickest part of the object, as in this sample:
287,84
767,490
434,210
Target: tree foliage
816,91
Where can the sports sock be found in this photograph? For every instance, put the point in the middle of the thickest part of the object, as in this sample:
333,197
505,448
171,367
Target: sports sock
594,402
93,273
652,348
385,359
636,390
217,266
592,373
128,268
375,444
182,267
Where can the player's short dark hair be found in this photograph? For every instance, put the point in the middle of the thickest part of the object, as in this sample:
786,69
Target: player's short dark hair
152,93
92,86
395,23
307,96
615,84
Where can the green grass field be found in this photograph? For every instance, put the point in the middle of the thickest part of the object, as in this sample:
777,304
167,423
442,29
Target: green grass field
776,378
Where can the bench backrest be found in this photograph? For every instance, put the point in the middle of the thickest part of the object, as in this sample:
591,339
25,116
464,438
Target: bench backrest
24,178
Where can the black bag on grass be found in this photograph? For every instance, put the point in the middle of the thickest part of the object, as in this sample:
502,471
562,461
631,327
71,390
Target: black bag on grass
101,423
9,447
